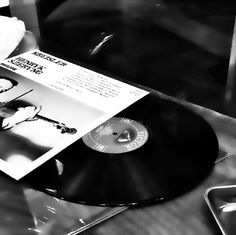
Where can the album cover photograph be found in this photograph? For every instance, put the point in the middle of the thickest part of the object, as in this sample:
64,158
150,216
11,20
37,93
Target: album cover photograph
35,119
45,106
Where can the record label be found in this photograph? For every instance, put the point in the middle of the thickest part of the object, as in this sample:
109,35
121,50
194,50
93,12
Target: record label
117,135
153,151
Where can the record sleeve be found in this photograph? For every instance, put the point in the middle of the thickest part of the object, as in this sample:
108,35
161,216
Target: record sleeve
28,211
47,103
153,151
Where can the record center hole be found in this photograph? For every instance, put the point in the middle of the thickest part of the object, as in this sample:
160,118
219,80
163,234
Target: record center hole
115,133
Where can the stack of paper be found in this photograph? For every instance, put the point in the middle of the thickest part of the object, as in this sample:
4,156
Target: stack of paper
12,31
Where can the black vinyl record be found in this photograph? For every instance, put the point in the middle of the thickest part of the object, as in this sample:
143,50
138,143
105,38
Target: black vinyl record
160,151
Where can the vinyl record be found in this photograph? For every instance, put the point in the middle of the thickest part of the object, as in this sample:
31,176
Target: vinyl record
153,151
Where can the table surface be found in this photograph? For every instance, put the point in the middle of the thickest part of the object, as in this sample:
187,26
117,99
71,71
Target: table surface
181,51
189,213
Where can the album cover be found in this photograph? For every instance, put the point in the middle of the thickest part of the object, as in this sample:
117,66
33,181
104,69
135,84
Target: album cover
47,103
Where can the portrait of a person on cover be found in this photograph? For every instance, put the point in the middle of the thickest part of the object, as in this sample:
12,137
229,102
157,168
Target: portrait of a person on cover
9,118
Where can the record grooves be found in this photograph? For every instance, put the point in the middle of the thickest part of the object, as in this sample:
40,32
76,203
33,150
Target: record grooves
178,152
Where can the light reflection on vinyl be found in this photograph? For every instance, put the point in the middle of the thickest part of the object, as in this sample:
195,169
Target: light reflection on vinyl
178,152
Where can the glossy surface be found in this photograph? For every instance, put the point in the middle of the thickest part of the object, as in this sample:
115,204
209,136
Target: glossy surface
26,211
222,202
181,48
154,173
